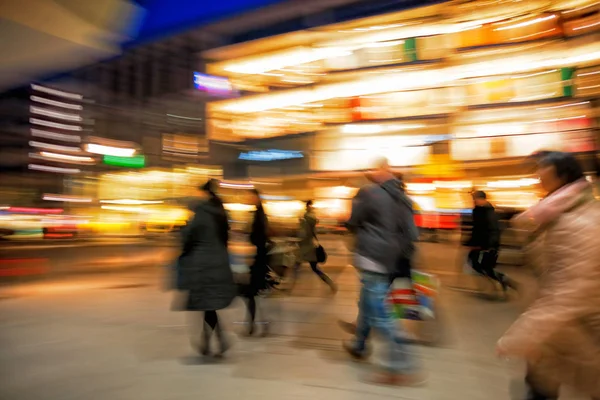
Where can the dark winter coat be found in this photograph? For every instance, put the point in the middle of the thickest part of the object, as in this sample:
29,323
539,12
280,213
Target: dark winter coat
486,229
204,270
383,221
259,237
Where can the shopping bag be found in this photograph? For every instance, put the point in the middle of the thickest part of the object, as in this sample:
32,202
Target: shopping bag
415,298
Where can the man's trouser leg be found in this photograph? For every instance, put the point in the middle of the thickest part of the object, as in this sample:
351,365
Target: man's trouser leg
375,311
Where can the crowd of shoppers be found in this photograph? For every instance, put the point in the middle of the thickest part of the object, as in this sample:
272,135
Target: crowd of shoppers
558,336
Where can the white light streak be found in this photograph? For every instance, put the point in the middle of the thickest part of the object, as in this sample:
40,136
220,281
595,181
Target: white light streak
56,136
130,202
55,103
54,114
55,147
55,92
68,199
526,23
109,150
67,157
46,168
56,125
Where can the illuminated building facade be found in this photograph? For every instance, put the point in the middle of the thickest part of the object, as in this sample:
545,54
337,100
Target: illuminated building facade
455,94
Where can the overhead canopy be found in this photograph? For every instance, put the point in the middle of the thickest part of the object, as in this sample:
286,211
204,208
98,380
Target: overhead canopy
41,38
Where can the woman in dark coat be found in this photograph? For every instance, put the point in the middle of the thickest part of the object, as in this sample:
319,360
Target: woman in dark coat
204,270
258,271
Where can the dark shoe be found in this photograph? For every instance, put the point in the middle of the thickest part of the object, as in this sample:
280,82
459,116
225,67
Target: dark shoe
358,355
348,327
395,379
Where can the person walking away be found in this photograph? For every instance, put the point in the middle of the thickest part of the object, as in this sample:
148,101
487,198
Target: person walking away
205,273
308,249
405,259
381,222
559,335
259,270
484,241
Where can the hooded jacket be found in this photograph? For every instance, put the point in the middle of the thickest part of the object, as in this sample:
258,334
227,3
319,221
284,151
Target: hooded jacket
382,219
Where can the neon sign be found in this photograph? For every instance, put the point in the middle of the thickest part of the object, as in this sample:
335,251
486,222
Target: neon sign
271,155
127,162
212,84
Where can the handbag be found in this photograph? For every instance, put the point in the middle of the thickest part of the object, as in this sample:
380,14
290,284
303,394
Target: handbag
321,254
320,251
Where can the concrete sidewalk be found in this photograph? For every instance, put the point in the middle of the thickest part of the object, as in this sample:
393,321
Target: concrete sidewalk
114,337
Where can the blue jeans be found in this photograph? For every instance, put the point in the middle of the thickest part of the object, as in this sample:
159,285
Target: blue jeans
373,312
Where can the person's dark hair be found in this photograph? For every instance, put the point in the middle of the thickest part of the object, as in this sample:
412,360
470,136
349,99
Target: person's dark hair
210,186
309,203
480,194
566,165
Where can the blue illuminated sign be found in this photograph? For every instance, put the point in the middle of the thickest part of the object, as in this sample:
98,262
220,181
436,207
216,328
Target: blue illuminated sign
212,84
271,155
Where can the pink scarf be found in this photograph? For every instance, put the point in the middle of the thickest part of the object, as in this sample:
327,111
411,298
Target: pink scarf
549,208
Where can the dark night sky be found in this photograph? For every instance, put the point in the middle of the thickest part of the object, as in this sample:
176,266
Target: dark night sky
164,17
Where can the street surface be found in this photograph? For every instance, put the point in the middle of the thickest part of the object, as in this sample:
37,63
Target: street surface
113,336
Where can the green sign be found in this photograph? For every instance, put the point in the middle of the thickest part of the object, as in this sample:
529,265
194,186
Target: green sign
127,162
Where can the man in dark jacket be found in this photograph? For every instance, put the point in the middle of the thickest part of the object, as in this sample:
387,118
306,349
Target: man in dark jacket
382,221
484,241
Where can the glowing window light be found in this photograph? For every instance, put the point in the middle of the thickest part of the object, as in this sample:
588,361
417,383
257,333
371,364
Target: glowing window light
127,162
453,185
37,121
46,168
27,210
527,23
67,199
56,136
420,187
56,92
55,147
55,103
55,114
126,209
130,202
66,157
513,184
109,150
289,58
236,185
239,207
362,128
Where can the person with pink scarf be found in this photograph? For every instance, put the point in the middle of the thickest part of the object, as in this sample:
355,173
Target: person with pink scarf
559,335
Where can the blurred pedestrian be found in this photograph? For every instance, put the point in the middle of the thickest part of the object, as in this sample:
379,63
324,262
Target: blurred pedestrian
559,335
484,241
308,247
382,222
203,266
405,260
259,237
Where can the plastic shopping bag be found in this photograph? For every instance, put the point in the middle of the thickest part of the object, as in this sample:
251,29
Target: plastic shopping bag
414,299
